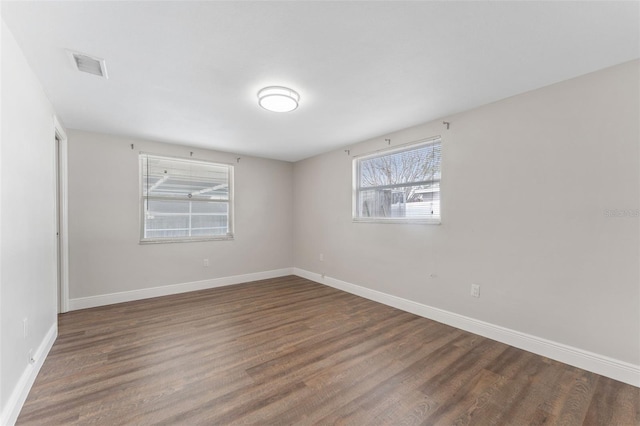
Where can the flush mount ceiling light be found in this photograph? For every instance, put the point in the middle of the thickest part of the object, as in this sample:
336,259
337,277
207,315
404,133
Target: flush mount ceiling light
278,99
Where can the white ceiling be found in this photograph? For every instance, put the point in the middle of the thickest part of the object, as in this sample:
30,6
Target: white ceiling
188,72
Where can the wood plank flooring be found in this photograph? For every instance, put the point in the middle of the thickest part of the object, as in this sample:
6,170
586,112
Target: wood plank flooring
290,351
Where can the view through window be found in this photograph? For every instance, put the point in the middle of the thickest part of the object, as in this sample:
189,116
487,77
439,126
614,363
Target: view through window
184,200
399,185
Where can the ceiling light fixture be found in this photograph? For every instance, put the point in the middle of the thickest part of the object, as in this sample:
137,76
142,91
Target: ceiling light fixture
278,99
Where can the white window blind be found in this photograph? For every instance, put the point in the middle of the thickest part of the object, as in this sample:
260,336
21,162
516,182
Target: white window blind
399,185
183,200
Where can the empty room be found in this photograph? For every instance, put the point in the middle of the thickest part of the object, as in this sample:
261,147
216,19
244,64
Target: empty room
320,212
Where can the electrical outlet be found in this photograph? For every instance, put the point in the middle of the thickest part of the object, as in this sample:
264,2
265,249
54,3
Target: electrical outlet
25,327
475,290
205,263
321,257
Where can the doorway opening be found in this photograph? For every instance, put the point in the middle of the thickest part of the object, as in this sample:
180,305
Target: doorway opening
61,219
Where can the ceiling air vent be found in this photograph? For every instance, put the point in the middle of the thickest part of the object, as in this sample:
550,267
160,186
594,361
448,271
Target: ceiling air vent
89,64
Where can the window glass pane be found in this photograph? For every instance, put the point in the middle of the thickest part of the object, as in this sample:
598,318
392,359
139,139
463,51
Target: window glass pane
407,166
161,207
425,202
210,207
402,184
177,218
163,219
184,198
175,178
411,202
213,221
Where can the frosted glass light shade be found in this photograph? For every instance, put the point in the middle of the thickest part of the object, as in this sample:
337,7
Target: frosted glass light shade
278,99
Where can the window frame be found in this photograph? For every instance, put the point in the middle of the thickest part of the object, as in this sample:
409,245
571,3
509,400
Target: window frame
381,153
142,198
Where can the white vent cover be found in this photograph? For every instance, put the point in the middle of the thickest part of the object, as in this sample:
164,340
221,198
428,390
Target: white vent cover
89,64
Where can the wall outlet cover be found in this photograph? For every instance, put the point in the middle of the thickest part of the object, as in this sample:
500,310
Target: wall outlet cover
475,290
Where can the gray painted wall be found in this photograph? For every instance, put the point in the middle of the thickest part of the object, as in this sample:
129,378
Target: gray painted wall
104,251
526,182
27,225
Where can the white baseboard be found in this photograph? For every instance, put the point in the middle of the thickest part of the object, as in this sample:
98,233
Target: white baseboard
21,391
599,364
146,293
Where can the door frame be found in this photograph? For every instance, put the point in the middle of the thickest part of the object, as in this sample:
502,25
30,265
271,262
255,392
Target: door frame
62,216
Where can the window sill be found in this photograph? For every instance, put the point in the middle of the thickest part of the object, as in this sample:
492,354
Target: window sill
434,221
184,240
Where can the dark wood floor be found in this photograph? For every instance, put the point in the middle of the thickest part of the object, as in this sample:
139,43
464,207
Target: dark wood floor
289,351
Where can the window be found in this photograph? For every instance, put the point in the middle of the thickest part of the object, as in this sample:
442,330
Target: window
399,185
185,200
